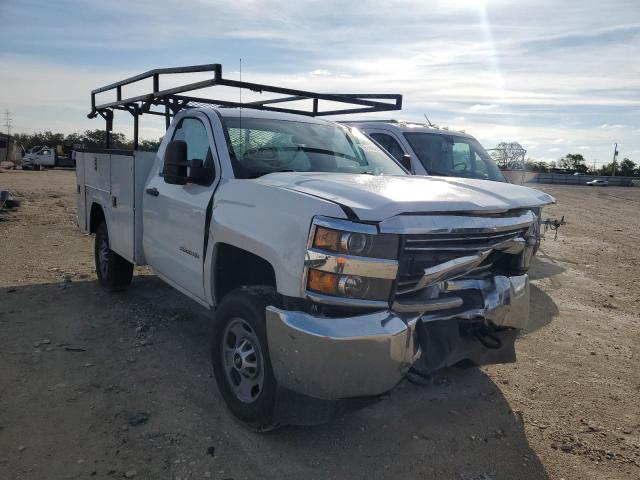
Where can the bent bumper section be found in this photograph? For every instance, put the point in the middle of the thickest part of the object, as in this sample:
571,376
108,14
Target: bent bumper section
367,355
332,358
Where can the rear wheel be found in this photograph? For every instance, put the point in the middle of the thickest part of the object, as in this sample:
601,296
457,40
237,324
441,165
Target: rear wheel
240,356
114,272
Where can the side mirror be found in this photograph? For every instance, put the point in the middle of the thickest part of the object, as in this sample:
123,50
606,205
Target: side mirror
406,162
175,163
198,173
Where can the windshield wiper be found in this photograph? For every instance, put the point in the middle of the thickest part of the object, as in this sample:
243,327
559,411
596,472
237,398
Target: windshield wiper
438,173
261,174
322,151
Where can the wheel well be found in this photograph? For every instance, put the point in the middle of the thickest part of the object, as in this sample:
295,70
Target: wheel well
95,217
235,267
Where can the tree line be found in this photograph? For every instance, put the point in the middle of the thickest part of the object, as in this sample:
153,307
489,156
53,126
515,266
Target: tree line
575,163
511,155
89,139
505,154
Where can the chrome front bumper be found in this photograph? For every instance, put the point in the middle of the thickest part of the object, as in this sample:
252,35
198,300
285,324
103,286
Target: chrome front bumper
366,355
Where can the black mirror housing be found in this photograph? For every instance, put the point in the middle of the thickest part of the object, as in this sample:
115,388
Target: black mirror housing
175,163
198,173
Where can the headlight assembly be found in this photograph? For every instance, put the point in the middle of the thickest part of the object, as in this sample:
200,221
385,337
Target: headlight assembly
349,286
350,261
356,243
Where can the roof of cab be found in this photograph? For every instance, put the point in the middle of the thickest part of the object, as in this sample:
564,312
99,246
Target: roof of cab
406,126
253,113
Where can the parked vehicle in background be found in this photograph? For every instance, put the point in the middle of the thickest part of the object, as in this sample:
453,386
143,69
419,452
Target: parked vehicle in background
333,273
598,183
427,150
40,157
424,149
34,150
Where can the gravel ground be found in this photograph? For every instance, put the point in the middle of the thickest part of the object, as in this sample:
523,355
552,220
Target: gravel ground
120,385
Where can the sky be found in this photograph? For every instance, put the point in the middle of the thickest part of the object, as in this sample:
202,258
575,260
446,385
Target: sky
557,76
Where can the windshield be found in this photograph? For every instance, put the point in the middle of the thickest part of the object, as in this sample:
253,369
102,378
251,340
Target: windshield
265,146
453,156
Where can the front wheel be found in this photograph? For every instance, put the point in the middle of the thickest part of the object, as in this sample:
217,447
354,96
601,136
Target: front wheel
114,272
240,356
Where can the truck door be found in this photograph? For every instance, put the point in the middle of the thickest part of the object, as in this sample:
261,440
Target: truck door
174,216
46,157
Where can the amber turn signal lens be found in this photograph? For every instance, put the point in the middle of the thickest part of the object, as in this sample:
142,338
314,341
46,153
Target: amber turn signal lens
327,239
323,282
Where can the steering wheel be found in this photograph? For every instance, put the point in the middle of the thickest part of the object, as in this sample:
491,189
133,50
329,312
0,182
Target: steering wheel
464,169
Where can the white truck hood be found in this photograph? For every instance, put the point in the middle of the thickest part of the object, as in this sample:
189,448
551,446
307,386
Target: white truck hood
375,198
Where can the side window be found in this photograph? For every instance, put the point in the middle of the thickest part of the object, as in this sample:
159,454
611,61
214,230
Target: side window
390,144
193,132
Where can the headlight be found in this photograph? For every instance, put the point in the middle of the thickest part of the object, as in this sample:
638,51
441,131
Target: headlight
356,243
349,286
353,287
351,261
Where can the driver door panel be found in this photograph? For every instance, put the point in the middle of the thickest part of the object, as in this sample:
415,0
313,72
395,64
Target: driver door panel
175,215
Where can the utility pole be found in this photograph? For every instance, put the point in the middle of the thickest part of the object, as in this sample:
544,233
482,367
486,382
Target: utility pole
7,123
615,155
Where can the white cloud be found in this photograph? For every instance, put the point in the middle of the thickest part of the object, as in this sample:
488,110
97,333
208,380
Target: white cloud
320,72
615,125
482,108
539,83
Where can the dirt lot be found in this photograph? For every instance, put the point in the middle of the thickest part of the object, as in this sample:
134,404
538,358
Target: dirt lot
77,364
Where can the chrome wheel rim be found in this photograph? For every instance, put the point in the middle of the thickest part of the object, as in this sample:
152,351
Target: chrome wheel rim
103,257
242,360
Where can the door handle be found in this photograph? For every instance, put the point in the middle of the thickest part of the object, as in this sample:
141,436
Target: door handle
152,191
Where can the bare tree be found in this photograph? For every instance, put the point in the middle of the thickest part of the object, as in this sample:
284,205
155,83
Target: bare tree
508,155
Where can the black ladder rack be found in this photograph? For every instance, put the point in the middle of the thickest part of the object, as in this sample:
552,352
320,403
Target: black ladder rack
174,99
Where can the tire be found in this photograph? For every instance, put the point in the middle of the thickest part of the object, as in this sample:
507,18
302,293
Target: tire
36,167
240,356
114,272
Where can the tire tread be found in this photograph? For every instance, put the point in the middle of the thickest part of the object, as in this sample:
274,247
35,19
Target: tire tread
120,270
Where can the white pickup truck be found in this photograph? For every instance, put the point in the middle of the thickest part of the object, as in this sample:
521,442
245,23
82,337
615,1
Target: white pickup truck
39,157
332,272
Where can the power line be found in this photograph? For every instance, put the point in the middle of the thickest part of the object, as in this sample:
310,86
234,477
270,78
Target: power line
7,121
7,124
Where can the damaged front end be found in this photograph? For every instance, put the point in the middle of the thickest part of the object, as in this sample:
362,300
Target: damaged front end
468,282
458,292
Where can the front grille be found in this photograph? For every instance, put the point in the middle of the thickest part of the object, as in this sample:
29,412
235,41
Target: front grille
422,251
458,242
